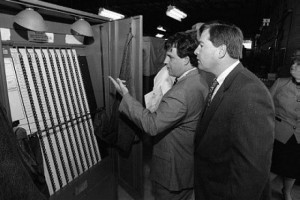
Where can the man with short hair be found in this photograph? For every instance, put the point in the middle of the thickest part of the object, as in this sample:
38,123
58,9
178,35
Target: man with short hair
234,137
174,122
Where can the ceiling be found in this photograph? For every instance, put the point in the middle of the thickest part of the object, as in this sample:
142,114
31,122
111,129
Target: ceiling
247,14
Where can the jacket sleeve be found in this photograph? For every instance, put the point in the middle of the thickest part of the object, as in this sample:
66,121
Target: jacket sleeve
274,87
168,114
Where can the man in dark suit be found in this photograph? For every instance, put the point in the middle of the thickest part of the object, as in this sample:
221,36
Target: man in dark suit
235,133
174,122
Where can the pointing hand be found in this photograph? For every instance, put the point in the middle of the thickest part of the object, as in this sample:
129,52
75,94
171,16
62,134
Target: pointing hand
119,85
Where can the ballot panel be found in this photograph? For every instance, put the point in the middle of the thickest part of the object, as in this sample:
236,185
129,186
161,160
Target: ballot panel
47,96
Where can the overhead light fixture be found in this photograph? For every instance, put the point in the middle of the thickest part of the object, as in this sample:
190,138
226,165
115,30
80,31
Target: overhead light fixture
247,44
161,28
175,13
158,35
31,20
82,27
110,14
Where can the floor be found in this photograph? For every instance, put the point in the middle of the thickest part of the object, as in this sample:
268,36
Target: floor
123,195
147,153
276,189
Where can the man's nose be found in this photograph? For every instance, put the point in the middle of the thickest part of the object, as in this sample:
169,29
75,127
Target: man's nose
167,60
196,52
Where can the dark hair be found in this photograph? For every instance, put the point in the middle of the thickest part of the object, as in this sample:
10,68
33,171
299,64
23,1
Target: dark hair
222,33
296,57
185,44
295,53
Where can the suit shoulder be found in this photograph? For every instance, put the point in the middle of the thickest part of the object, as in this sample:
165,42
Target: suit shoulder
248,84
194,84
283,81
250,78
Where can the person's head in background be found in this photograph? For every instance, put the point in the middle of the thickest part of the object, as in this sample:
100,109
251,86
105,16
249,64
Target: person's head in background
295,68
220,45
196,29
180,55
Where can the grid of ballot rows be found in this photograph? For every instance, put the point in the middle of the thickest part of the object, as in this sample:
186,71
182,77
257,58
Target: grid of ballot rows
55,107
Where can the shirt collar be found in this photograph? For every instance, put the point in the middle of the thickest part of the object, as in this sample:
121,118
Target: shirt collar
185,73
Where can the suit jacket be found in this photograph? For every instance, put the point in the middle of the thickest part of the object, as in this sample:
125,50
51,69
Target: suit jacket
234,140
285,95
173,124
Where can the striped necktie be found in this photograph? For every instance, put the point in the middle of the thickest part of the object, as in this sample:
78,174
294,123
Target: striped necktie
211,91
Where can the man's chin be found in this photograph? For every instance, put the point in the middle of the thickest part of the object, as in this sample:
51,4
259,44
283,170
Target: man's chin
170,73
297,78
202,68
296,75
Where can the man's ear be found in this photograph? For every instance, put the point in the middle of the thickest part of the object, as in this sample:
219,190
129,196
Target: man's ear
222,50
186,60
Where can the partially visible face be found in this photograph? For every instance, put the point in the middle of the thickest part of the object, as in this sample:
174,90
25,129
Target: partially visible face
206,53
174,63
295,69
167,60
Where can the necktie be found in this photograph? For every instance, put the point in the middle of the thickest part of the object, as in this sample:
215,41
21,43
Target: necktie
211,91
175,81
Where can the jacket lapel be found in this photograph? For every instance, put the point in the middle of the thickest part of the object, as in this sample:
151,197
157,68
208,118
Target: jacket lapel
215,104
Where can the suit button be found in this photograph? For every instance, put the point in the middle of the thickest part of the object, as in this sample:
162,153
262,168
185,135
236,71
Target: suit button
294,127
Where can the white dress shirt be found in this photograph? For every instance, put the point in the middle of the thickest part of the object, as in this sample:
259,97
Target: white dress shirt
223,75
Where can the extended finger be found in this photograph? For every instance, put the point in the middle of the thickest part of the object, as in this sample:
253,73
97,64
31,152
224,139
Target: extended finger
113,81
120,82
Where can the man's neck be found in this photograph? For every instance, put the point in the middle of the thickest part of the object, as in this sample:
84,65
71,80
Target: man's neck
225,64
